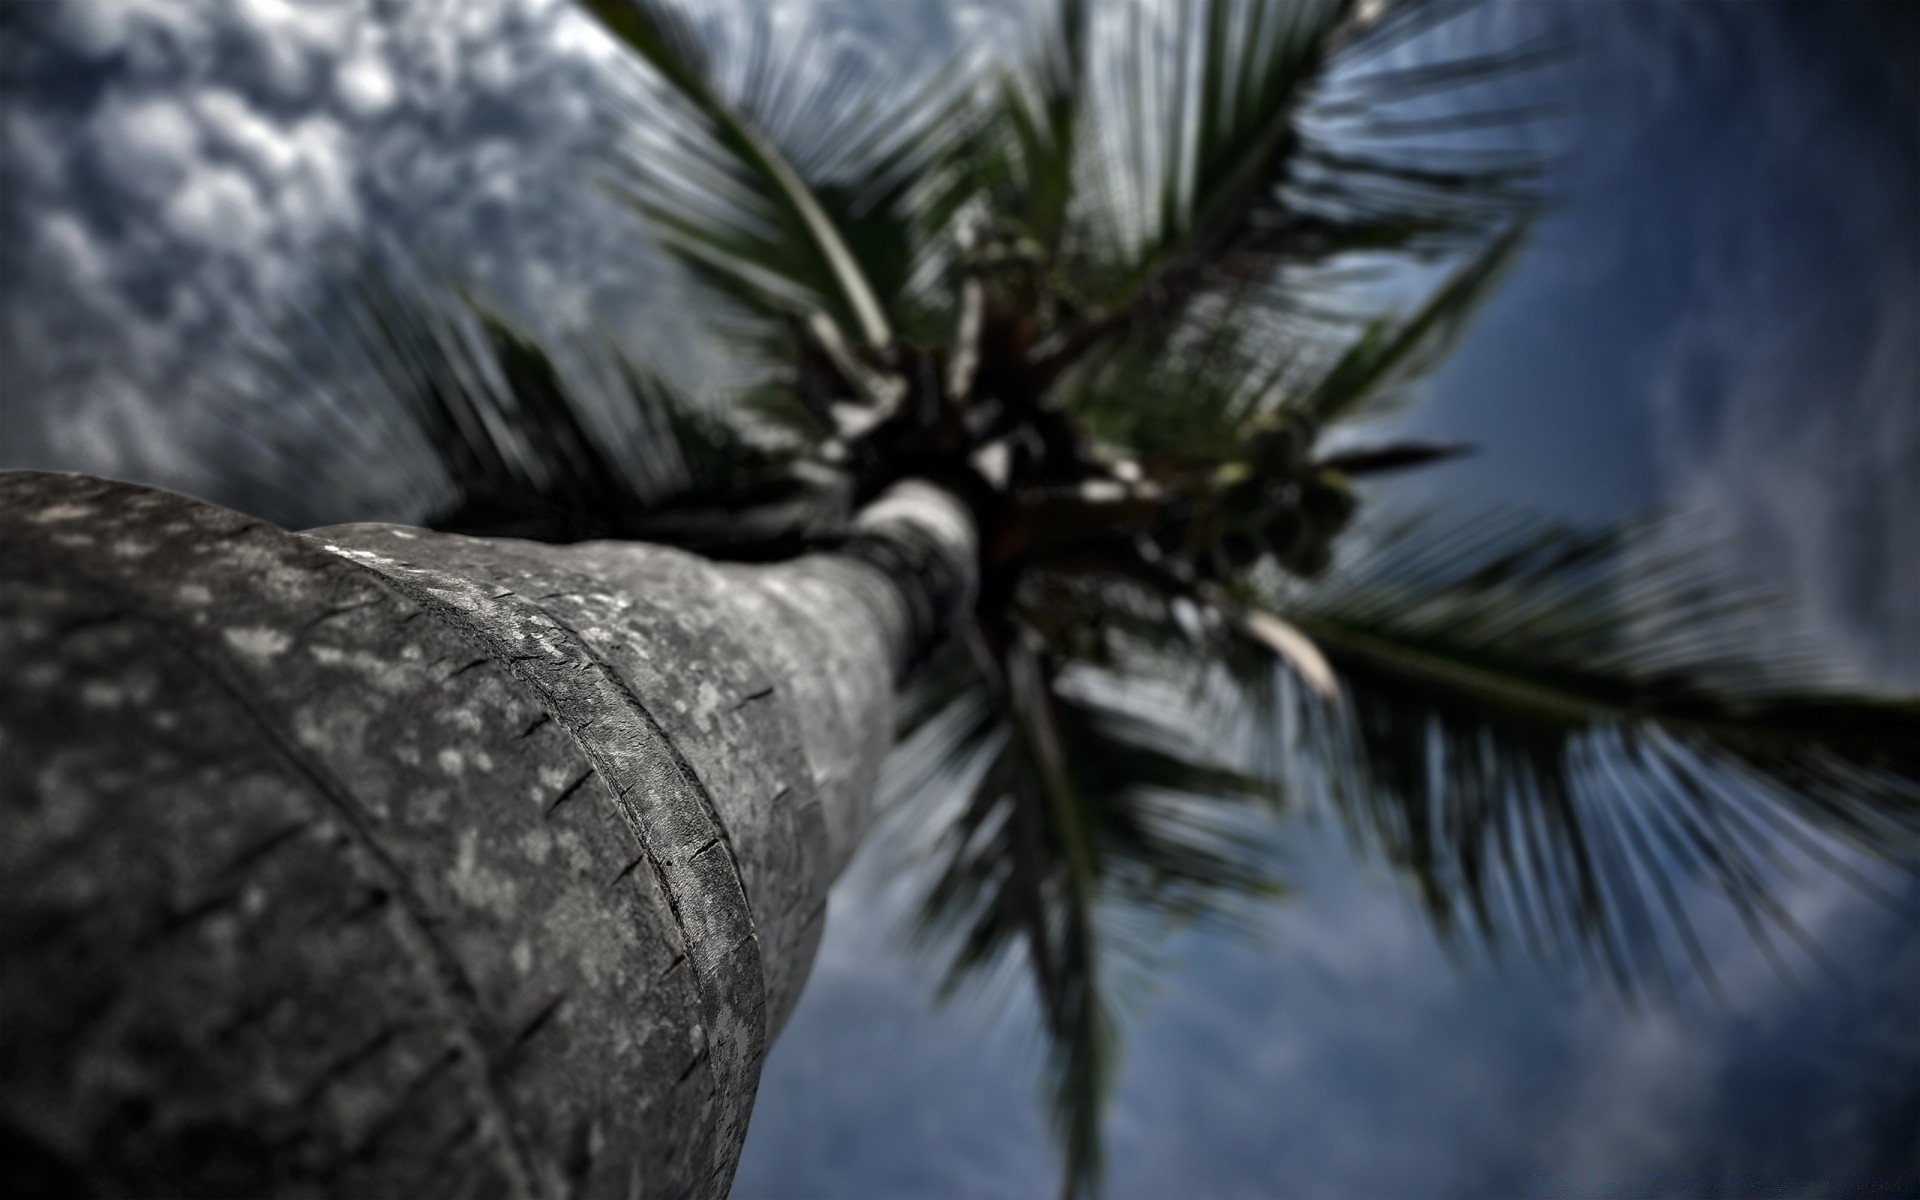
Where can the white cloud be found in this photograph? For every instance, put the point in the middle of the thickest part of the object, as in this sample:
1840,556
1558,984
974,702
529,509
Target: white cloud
319,196
365,84
1783,396
286,43
218,208
164,40
94,30
239,128
146,143
70,249
35,158
112,428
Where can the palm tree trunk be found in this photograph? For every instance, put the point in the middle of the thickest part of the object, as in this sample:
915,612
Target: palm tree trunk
375,860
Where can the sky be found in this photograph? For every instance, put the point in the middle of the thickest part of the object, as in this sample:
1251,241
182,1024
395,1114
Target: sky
1342,1054
1724,311
1722,314
174,173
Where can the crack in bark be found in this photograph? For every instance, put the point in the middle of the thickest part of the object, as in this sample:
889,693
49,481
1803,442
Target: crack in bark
339,611
566,795
80,624
691,1068
529,1031
250,1014
341,1067
390,1119
264,847
468,1131
673,907
178,920
376,900
817,913
626,871
762,694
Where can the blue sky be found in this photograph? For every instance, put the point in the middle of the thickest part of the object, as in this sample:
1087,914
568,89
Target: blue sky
1724,313
1343,1055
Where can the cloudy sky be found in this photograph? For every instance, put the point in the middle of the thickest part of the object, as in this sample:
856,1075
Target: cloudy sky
1724,313
175,172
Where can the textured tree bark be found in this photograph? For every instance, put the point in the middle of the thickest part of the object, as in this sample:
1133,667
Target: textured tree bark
378,861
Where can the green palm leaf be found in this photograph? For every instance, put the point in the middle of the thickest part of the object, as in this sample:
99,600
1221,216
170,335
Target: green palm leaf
1067,822
787,191
514,435
783,237
1242,138
1559,734
1042,108
1391,352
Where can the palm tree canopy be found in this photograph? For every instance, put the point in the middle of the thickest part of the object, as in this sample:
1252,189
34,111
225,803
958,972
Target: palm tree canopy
1106,293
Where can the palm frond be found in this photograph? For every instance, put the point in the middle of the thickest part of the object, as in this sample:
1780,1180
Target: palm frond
1185,397
1043,107
513,434
1226,82
1083,829
1244,138
786,186
1390,352
1569,740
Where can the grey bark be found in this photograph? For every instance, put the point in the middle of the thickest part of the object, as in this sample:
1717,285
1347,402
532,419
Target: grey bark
373,860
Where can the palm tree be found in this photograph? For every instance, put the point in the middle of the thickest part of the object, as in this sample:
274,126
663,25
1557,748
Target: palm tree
1088,292
1058,353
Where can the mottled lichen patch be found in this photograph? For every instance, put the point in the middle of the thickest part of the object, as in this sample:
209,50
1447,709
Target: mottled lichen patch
258,641
51,513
